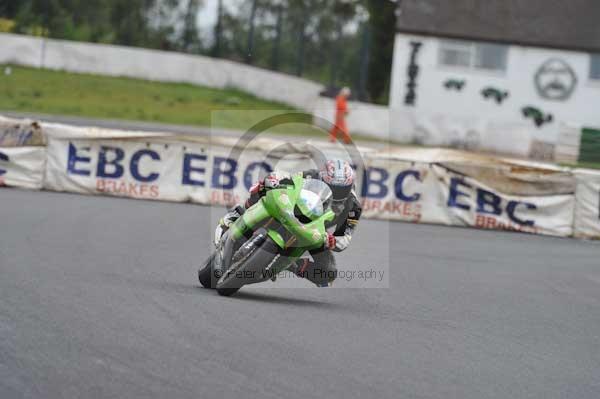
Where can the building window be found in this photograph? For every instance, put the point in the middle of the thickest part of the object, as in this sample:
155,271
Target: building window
491,57
455,54
595,67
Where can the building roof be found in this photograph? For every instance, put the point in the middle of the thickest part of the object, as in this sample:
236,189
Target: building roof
564,24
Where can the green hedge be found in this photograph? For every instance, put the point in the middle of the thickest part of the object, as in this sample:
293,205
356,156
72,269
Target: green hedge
590,146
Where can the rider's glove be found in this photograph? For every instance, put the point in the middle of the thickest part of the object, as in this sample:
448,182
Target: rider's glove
330,242
224,223
257,188
218,234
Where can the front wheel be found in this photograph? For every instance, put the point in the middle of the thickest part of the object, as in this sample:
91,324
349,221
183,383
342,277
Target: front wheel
248,264
207,275
227,291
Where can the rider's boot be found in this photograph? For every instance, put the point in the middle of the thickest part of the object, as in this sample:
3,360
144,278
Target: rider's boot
304,268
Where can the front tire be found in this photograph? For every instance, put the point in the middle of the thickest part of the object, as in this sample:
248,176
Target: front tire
206,275
227,291
250,259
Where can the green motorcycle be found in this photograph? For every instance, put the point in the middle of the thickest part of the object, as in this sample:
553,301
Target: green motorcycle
270,236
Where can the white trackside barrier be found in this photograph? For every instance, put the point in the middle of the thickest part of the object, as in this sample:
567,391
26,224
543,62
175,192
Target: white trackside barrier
19,133
164,66
587,210
22,167
417,185
151,169
467,190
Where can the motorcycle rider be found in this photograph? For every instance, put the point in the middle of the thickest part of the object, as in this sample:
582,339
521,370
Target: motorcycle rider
339,176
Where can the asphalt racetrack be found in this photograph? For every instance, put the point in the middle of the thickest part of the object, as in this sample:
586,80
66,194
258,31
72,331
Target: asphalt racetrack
99,299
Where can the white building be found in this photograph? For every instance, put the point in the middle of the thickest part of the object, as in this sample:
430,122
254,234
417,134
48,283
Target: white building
513,76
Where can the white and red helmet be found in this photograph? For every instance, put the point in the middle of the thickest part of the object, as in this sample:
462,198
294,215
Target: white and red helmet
339,176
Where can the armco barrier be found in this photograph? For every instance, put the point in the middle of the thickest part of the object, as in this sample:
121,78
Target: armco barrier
405,184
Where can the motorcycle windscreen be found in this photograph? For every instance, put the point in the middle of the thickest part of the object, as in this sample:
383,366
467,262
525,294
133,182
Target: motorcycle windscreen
315,198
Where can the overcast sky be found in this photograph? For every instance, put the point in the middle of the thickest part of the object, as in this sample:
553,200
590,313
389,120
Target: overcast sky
208,14
207,17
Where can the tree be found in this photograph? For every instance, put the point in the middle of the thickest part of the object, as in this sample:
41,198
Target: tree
129,18
302,23
382,21
335,17
9,8
278,33
190,37
216,52
129,22
250,46
364,63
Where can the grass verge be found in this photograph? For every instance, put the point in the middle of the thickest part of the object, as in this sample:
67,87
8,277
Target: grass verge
61,93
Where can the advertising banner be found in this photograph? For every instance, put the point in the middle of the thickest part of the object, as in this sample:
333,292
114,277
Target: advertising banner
152,169
22,167
587,208
464,190
469,202
432,193
401,191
